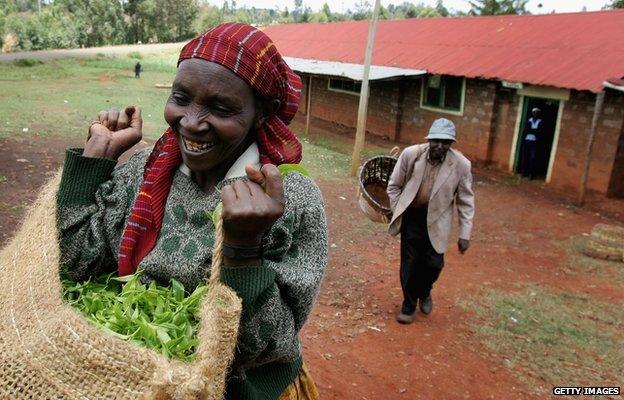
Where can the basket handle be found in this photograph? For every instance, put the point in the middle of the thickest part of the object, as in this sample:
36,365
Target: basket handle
217,256
395,151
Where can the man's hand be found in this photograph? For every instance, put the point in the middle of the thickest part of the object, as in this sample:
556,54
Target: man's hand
462,245
114,132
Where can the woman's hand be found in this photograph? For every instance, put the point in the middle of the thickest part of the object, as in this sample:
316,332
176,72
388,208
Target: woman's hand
251,207
114,132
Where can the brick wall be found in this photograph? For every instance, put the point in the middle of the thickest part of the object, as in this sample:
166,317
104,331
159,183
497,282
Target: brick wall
575,127
504,118
473,127
485,130
341,108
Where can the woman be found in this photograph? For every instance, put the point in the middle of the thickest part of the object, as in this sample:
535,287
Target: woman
227,113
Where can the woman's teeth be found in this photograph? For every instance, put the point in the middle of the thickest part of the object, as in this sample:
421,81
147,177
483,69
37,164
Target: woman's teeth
196,146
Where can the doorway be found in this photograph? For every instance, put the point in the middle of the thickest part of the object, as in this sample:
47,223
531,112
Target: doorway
549,111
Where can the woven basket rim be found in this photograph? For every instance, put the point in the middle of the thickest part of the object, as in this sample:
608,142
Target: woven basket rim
370,200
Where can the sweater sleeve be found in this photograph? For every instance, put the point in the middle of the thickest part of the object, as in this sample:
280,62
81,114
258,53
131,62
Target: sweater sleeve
278,295
93,201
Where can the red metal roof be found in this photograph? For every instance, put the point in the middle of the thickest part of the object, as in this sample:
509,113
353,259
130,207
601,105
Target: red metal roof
575,50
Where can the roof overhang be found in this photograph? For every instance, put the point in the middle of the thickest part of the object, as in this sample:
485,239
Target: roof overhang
347,70
616,84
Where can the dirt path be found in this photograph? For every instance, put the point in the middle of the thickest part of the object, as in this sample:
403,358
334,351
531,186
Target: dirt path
88,52
352,344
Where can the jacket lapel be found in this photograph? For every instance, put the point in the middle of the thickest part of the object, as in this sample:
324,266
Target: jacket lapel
417,173
443,174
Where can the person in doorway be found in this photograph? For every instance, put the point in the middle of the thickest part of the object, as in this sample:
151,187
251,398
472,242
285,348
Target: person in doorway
529,145
425,183
137,70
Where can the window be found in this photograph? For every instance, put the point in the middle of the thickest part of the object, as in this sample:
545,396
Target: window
345,85
443,92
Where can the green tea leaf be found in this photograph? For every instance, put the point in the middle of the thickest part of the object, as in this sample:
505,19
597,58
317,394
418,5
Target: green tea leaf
154,316
286,169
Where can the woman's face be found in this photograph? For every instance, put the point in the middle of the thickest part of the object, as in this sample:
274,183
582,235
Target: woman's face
212,111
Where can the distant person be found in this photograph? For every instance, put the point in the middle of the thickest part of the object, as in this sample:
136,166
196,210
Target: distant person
137,70
427,181
532,133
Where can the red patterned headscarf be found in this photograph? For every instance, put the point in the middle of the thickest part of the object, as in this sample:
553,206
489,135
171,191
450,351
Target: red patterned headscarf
252,56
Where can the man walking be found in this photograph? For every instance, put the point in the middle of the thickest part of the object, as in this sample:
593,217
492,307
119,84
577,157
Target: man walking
425,183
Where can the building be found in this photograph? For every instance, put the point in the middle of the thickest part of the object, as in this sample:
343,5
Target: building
485,74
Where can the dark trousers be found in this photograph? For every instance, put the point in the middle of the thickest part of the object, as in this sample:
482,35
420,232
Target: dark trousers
420,263
527,162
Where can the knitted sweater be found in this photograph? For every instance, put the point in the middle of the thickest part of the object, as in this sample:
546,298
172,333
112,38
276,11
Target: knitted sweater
95,199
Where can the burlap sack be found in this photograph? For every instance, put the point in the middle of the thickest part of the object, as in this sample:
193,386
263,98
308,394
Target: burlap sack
49,351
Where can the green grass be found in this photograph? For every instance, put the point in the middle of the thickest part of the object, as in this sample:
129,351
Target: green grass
580,263
552,338
329,156
324,163
62,97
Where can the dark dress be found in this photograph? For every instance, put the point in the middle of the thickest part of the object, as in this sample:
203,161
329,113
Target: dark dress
529,147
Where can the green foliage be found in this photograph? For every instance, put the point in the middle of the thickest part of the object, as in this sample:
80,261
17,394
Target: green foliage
498,7
135,55
209,17
26,62
45,24
616,4
156,317
285,169
160,20
442,11
363,10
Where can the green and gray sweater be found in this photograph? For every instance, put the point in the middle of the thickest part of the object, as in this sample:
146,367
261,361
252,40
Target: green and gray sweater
95,199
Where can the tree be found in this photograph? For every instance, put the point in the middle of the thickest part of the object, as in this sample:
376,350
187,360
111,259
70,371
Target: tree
160,20
383,13
325,10
209,17
363,10
616,4
498,7
298,11
319,17
109,28
442,11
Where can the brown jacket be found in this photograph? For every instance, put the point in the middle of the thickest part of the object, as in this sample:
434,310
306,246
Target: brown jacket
452,185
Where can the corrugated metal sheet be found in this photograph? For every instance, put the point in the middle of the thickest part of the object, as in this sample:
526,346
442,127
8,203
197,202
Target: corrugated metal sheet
574,51
615,84
348,70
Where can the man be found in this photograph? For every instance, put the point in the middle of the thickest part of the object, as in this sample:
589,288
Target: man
425,183
529,146
137,70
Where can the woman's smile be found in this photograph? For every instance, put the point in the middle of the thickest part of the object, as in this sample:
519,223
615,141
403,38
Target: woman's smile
195,146
213,113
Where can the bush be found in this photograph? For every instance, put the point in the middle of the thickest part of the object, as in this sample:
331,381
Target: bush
26,62
9,42
135,55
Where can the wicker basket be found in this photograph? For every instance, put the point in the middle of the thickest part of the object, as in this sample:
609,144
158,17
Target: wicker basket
373,181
